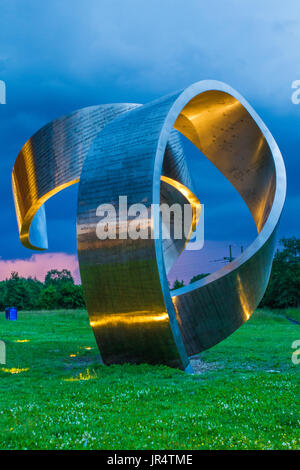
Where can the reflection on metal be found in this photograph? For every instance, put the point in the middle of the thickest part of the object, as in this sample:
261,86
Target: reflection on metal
191,198
135,150
50,161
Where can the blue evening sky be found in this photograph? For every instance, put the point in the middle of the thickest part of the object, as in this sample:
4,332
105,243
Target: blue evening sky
62,55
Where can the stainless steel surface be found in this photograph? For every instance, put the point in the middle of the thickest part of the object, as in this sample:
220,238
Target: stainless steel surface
134,316
50,161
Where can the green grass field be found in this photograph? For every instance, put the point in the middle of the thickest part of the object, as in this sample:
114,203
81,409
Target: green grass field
54,394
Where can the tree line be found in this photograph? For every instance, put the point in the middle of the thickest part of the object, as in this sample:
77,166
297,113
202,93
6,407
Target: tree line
57,291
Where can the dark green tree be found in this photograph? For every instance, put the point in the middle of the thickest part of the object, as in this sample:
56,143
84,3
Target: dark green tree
58,291
284,286
55,277
3,290
49,298
22,293
198,277
177,284
34,289
71,296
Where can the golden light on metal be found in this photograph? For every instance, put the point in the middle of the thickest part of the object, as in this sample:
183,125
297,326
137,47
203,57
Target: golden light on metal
135,150
130,318
191,198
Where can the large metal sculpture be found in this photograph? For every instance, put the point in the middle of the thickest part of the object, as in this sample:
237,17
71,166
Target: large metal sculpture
135,150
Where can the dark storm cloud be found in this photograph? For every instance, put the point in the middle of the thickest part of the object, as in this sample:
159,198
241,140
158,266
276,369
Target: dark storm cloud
62,55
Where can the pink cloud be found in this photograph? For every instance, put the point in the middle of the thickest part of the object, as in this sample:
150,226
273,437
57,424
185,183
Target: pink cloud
39,264
187,265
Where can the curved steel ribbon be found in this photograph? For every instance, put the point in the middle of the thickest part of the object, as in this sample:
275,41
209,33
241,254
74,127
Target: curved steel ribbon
51,160
135,150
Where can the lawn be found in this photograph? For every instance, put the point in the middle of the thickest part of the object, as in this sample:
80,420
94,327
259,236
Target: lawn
54,393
